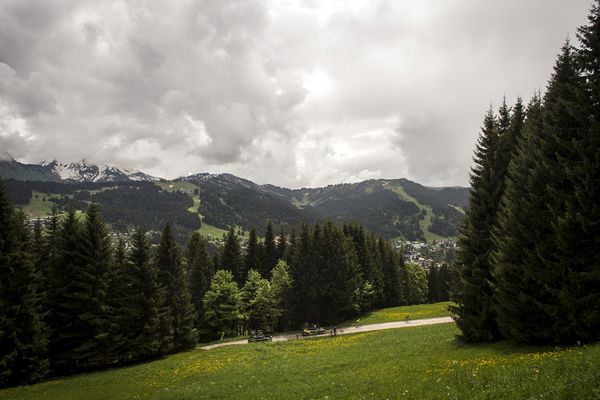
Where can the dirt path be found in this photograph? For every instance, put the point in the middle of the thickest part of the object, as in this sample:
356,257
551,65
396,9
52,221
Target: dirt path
344,331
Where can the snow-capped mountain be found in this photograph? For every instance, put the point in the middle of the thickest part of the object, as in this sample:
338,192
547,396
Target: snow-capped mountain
83,171
55,171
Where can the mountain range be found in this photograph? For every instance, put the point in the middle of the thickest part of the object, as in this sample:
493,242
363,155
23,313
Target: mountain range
54,171
395,208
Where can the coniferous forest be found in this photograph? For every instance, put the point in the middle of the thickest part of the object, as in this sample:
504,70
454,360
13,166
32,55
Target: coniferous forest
528,268
73,299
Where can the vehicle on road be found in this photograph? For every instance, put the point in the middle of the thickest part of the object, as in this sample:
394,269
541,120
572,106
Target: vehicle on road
313,330
259,336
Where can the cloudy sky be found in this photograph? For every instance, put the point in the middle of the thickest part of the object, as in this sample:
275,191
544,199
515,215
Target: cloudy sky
295,93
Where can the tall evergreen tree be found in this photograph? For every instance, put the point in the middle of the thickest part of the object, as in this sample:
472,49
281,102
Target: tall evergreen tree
252,259
333,294
38,246
523,231
433,284
374,270
216,261
303,296
22,334
201,272
443,279
145,298
437,279
173,279
578,229
92,347
364,293
51,259
231,258
391,277
38,249
269,253
118,301
571,117
471,275
281,245
540,188
65,329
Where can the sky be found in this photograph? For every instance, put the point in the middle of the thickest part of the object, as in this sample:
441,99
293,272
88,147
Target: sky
298,93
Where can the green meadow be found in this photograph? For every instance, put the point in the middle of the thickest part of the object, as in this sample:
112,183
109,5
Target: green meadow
402,313
413,363
39,205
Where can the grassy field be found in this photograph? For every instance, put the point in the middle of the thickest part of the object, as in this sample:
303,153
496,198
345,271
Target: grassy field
414,363
40,208
171,185
419,311
212,231
39,205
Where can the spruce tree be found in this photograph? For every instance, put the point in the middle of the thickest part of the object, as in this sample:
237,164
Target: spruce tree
391,277
374,270
145,300
578,228
354,285
269,253
433,285
252,259
90,280
539,179
231,258
22,333
216,261
38,250
303,296
201,272
51,258
38,246
521,238
281,245
63,298
333,294
472,290
363,297
443,279
510,127
118,300
178,303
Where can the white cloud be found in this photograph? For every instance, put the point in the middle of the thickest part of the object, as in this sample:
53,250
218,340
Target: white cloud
294,93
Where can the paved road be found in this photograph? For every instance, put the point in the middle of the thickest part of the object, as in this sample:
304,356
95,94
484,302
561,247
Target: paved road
345,331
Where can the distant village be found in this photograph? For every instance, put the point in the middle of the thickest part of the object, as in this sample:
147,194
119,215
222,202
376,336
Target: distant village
428,255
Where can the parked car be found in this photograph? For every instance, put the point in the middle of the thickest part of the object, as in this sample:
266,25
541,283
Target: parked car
312,330
259,336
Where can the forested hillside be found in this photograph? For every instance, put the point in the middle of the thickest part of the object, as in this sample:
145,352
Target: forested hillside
392,208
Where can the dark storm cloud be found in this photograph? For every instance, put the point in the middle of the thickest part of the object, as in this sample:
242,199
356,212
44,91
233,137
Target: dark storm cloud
289,92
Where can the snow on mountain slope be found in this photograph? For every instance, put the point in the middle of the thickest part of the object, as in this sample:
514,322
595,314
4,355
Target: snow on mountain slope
80,171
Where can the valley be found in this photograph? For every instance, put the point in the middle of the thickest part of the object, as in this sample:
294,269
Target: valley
395,208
